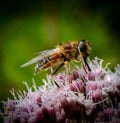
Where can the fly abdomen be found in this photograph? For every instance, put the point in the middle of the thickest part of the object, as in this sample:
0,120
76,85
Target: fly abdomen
48,62
41,64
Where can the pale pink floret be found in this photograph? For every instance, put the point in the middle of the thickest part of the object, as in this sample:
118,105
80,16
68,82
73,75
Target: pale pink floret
69,97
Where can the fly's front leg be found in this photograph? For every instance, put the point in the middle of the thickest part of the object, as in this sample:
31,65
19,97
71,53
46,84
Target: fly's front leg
85,60
85,64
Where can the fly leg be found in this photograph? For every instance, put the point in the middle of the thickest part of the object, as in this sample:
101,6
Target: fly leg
66,60
63,63
85,64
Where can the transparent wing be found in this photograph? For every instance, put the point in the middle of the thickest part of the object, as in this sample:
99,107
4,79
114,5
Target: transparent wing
40,56
45,52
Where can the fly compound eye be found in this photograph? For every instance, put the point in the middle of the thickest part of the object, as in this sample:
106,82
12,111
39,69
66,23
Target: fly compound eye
82,47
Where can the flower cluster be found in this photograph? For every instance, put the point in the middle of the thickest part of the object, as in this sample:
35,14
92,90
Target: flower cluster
73,96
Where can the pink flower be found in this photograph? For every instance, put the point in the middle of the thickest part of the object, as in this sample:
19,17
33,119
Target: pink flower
69,97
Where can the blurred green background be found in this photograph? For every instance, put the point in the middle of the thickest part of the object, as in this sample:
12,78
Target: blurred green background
31,26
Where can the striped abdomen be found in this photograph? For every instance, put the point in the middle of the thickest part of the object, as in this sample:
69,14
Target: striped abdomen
48,62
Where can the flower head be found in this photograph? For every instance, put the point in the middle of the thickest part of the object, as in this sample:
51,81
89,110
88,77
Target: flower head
69,97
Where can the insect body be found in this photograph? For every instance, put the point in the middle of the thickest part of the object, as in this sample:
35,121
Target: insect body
63,53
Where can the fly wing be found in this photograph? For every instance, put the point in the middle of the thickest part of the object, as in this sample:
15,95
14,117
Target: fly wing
40,56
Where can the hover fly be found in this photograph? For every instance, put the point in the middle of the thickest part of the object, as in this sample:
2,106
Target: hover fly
62,54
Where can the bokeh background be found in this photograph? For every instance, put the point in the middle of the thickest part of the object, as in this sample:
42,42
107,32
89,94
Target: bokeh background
31,26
